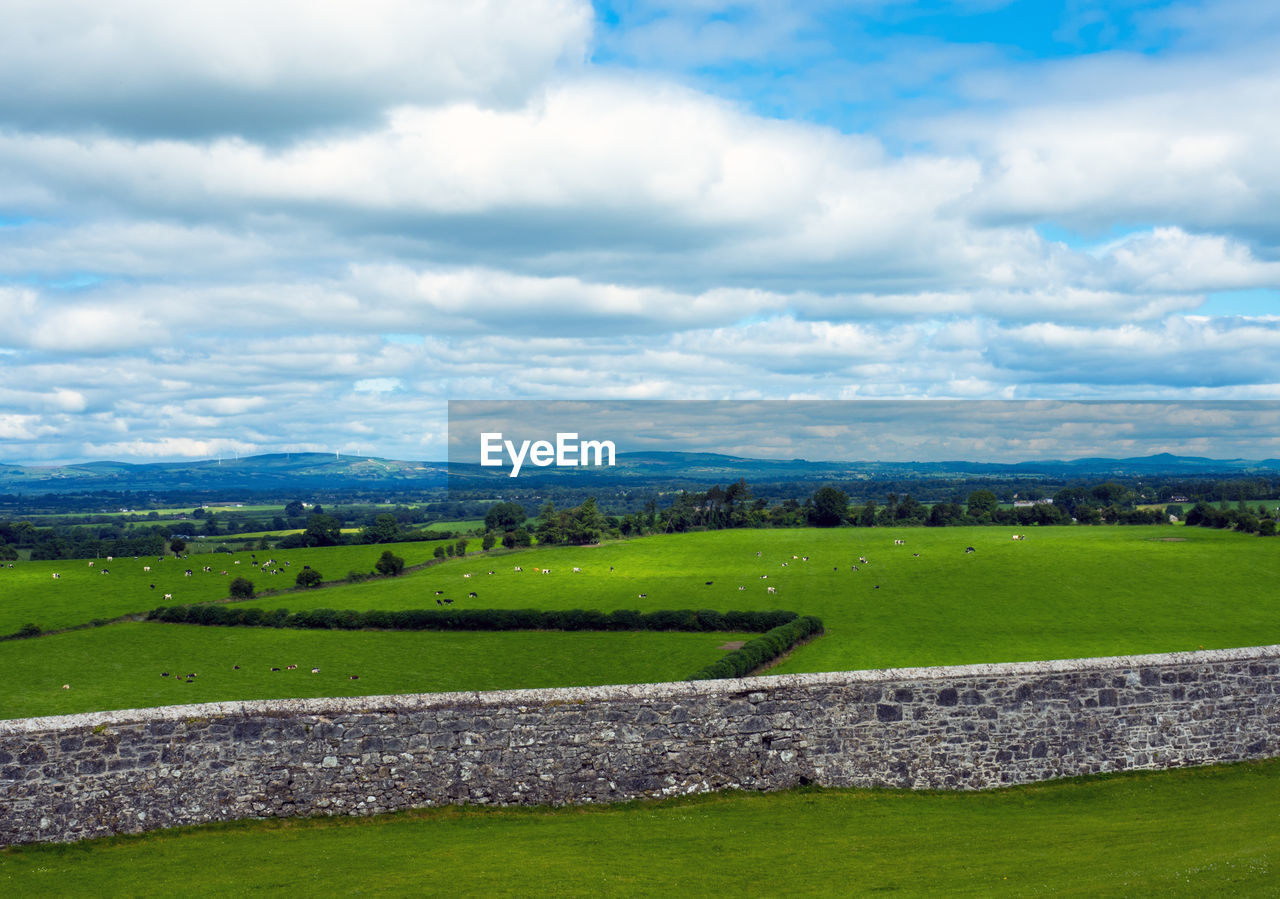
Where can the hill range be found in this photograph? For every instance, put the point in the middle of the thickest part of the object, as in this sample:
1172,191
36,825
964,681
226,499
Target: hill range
299,470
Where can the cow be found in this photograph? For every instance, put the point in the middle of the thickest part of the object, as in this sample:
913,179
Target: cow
772,589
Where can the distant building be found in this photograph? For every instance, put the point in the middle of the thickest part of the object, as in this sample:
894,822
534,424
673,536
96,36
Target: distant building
1028,503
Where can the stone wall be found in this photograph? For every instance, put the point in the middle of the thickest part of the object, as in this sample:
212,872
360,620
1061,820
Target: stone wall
969,727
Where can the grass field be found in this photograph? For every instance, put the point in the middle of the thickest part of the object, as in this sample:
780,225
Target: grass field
1062,593
120,666
1197,832
28,592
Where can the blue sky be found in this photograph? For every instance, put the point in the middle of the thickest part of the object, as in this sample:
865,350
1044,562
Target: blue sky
239,227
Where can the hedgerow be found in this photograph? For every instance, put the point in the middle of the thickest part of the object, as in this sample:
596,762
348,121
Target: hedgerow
699,620
763,649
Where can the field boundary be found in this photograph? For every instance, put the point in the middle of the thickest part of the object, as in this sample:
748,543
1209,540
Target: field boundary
967,727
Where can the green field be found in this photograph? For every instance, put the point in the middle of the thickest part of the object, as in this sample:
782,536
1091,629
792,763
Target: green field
1196,832
28,592
1062,593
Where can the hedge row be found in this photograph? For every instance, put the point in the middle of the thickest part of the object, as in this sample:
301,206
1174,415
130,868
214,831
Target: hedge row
762,649
478,619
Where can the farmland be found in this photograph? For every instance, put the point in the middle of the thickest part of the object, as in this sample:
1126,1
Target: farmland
1063,592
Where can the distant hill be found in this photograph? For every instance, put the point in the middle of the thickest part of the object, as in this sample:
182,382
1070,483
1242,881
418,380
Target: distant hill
289,471
264,472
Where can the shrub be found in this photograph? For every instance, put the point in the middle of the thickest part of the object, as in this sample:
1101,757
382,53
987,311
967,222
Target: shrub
308,577
389,564
29,630
242,588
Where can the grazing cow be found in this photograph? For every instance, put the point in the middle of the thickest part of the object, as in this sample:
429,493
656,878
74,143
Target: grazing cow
153,586
448,602
518,568
764,577
164,673
90,564
106,571
488,572
862,559
111,558
471,595
915,555
291,667
146,567
642,595
66,686
969,549
466,575
795,557
709,583
784,564
168,596
546,571
804,558
275,669
772,589
439,593
315,670
354,676
577,570
439,603
56,575
742,588
757,555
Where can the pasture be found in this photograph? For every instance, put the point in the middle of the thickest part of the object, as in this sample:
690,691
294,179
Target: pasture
1061,593
1190,832
82,593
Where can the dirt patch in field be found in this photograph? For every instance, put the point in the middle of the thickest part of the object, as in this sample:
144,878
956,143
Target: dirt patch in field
732,645
1172,540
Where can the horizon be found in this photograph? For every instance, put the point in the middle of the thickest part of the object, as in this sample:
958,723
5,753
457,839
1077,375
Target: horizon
213,240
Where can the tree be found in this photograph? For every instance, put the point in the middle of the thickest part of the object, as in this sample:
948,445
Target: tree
867,518
294,509
489,540
982,504
385,529
504,516
323,530
242,588
177,545
308,577
830,506
389,564
461,547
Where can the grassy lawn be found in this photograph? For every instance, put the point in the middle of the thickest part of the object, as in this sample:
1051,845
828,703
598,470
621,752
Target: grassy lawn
1196,832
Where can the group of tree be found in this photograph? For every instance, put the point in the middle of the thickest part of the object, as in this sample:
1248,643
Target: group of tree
1241,518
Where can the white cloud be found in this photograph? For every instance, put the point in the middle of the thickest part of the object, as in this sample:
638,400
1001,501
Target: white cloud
236,66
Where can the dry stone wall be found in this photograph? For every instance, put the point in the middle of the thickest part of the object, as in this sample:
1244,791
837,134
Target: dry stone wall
969,727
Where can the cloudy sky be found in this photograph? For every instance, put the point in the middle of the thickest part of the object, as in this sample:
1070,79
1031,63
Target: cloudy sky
258,226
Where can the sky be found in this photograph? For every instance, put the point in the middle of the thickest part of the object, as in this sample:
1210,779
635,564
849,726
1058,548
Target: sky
241,227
